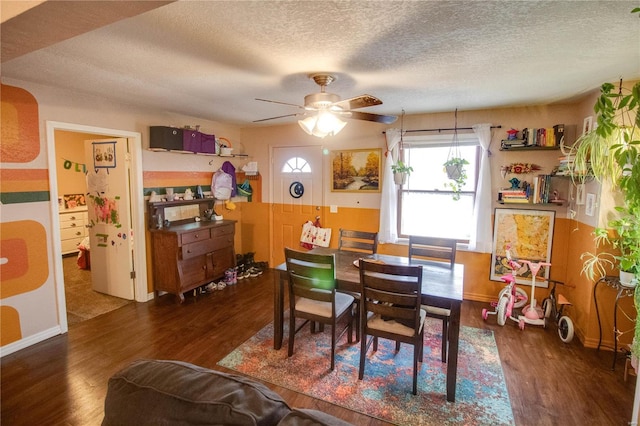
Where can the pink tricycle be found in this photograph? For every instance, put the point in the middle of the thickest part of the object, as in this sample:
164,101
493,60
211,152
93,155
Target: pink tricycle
510,297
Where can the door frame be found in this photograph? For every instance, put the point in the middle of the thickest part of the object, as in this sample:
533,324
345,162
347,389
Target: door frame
141,293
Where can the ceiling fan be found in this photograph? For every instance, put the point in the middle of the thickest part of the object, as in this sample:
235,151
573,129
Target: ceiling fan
329,102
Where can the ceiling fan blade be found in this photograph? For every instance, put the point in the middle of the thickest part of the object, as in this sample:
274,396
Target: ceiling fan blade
281,103
361,101
273,118
378,118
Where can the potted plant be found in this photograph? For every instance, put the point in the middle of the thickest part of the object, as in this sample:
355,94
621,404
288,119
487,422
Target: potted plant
625,238
454,167
612,152
400,172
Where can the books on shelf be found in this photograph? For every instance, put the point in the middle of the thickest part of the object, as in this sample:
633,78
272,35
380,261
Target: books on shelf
543,137
514,195
541,189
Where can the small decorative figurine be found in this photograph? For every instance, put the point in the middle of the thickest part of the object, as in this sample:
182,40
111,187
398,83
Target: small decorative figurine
515,183
512,134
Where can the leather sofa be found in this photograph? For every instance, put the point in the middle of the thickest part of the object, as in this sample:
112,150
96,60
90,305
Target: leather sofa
157,392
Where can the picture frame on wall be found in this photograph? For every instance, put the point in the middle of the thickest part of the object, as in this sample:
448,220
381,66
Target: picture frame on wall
587,125
529,233
356,170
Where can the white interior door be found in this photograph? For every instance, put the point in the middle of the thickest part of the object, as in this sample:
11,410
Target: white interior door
300,166
108,203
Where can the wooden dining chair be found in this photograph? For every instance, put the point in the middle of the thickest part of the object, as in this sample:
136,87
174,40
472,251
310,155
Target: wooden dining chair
391,309
442,251
360,242
313,296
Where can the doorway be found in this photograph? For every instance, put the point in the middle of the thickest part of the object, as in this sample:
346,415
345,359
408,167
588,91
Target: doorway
140,291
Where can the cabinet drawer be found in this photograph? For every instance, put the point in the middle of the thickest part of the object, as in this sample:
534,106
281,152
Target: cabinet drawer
197,249
222,230
194,236
67,220
69,233
70,245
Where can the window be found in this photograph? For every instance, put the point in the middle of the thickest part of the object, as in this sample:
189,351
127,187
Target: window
296,165
425,203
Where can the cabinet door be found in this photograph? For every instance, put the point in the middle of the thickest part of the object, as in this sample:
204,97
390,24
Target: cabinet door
219,261
194,273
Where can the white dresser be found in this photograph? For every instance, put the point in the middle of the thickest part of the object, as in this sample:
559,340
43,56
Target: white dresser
73,228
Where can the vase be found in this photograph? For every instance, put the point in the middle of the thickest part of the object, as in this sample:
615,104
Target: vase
454,171
628,279
400,178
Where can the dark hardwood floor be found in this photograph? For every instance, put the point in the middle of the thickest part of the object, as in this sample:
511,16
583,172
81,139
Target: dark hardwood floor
63,380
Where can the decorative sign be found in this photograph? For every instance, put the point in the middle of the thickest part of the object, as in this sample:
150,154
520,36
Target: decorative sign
77,167
296,189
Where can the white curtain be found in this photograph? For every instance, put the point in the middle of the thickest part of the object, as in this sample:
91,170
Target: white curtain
481,238
388,232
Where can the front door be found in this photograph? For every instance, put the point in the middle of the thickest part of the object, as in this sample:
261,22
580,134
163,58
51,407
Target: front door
108,203
297,194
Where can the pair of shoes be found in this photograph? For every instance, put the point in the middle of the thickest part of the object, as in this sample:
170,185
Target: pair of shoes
231,276
243,272
211,287
254,271
221,285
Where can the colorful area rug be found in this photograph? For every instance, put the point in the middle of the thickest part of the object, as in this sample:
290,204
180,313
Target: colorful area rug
385,391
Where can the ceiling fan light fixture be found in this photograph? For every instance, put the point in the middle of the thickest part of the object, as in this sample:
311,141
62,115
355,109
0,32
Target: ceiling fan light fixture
321,125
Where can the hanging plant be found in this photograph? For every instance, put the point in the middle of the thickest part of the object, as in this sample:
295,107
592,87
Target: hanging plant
400,172
454,166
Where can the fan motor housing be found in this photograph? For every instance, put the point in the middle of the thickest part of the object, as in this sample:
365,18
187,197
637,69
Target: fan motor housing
320,100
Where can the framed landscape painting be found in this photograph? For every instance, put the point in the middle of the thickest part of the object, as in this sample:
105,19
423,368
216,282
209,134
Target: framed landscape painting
529,233
356,170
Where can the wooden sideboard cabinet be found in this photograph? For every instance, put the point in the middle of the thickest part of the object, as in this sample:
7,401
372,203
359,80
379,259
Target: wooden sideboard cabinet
190,255
187,249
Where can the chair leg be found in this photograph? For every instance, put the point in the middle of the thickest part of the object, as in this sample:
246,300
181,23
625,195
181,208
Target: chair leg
333,345
363,353
416,352
445,338
292,332
357,312
397,346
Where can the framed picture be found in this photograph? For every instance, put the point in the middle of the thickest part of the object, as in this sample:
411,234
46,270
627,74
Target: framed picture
71,201
356,170
529,233
104,155
587,124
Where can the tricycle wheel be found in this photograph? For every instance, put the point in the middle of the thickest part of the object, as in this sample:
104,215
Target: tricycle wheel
565,329
502,310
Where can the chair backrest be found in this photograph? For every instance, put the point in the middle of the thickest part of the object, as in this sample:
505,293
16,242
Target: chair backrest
433,248
359,241
309,273
392,291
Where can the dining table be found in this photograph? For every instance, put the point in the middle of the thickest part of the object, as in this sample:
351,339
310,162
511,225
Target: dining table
441,287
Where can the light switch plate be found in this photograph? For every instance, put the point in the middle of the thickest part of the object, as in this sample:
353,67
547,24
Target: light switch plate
333,208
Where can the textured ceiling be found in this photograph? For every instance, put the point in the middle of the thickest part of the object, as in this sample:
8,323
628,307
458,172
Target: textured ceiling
211,59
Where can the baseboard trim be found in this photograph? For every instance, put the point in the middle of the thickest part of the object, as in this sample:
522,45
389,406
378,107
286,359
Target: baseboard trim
29,341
